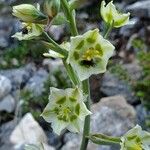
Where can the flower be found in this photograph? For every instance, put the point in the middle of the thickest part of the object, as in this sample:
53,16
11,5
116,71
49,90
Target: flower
29,31
28,13
111,16
136,139
66,109
52,7
89,54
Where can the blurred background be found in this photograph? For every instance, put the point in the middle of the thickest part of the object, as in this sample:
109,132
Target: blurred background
120,97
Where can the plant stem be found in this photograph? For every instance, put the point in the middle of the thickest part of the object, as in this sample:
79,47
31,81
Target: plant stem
71,73
86,130
102,139
85,84
71,17
57,49
108,30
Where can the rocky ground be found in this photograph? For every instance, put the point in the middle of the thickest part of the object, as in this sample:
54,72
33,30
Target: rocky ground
24,85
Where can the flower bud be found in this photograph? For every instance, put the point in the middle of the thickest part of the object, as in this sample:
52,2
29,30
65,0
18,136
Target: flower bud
51,7
113,17
28,13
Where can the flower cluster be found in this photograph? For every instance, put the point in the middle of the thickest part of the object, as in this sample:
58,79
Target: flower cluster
66,109
83,56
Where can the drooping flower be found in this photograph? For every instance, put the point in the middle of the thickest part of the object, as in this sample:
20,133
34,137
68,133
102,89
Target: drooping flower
28,13
66,109
51,7
29,31
113,17
89,54
136,139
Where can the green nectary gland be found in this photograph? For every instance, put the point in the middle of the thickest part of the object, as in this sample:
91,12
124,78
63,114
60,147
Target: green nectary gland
134,143
67,113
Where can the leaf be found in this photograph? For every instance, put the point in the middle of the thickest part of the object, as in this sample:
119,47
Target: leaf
102,139
59,19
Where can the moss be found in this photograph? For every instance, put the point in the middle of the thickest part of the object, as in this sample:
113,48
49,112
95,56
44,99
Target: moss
119,71
142,87
25,51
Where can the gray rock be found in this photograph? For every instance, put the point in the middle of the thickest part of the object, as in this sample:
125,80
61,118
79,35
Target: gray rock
7,104
28,131
57,31
142,115
7,28
126,31
111,86
111,116
140,9
36,83
52,65
5,131
134,70
5,86
7,1
19,76
8,128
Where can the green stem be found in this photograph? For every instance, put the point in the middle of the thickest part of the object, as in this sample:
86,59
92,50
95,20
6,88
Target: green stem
71,73
70,16
57,49
86,130
108,30
85,84
102,139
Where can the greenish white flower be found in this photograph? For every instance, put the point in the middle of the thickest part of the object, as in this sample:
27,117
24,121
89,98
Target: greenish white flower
30,31
28,13
136,139
66,109
89,54
51,7
112,16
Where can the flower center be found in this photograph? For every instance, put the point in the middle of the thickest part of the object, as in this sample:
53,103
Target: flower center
90,57
26,29
66,112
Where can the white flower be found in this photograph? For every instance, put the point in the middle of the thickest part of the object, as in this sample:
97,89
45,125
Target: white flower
30,31
66,109
111,16
89,54
136,139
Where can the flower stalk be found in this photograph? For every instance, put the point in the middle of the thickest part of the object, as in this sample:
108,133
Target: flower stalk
86,130
71,17
57,49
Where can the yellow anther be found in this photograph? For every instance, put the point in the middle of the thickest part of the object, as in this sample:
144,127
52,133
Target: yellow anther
90,54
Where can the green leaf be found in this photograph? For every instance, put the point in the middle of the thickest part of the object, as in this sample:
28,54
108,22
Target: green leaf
59,19
102,139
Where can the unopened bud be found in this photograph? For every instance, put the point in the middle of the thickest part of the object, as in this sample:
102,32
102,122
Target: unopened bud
28,13
51,7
